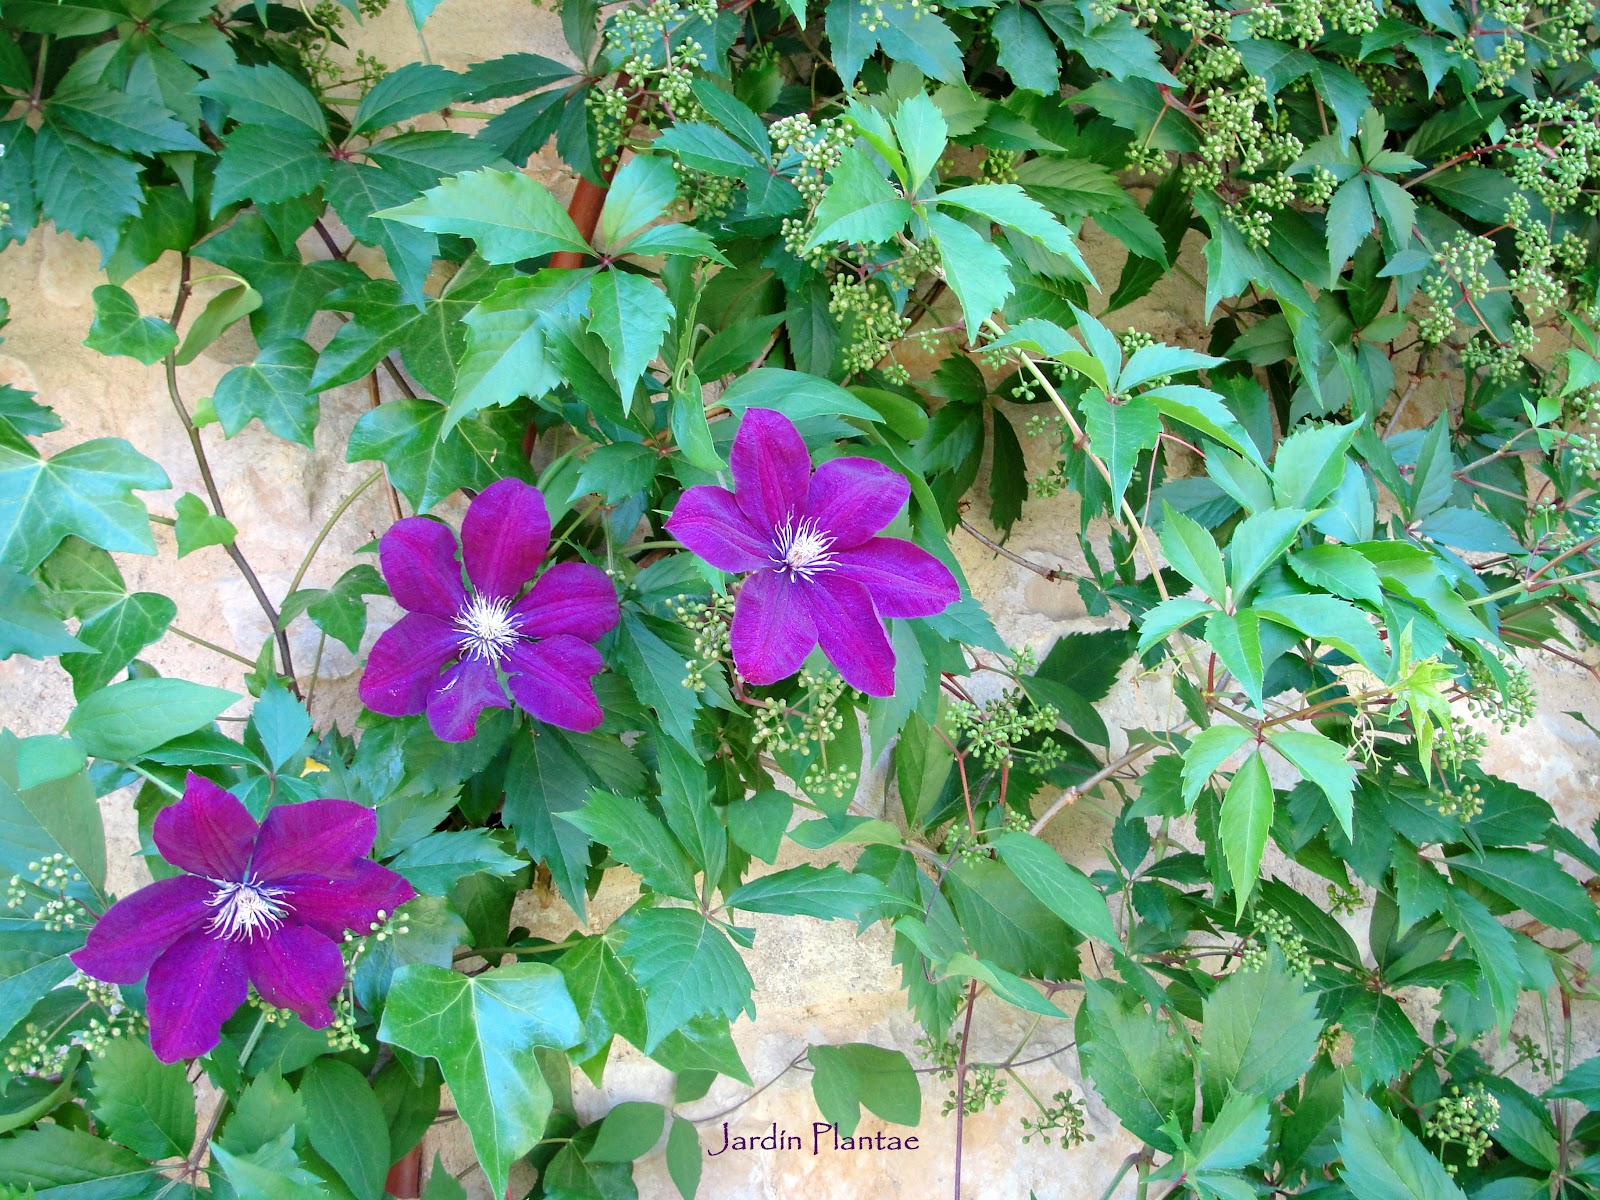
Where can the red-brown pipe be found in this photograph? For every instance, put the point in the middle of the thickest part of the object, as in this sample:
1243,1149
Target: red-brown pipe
405,1177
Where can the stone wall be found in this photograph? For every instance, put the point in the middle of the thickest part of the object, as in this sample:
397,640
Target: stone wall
815,982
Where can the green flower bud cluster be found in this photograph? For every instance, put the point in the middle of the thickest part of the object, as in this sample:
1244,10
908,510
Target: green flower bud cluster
1064,1119
873,18
1459,799
1458,744
871,321
1465,1119
270,1013
1498,58
819,147
1555,150
1511,706
710,623
341,1033
837,782
983,1087
704,194
813,718
1275,929
1501,360
994,731
1530,1052
1344,899
49,880
42,1051
959,842
1000,166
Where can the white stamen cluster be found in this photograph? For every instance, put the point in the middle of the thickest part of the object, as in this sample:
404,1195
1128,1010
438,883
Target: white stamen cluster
487,628
246,908
803,549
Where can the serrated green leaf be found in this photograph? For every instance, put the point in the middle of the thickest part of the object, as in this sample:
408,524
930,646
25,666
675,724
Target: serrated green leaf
687,968
1258,1034
114,636
636,838
860,205
1142,1072
145,1104
426,464
1383,1158
1247,812
631,316
827,893
510,216
1058,885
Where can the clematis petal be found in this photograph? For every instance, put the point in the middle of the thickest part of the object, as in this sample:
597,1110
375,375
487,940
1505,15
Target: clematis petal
504,536
208,832
553,680
333,906
418,557
196,985
570,598
772,630
466,690
904,579
326,838
771,469
405,663
710,522
135,930
299,969
852,498
851,633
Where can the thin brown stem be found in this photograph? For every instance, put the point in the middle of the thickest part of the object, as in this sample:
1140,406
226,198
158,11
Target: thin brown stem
1049,573
961,1081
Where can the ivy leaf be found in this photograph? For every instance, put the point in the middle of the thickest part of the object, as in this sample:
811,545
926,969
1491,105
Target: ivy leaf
196,527
145,1104
265,164
508,354
483,1030
1247,811
426,464
608,1000
638,839
114,636
1384,1158
860,205
1258,1035
275,389
406,92
86,490
27,626
222,310
974,269
339,611
826,893
119,329
1140,1069
855,1074
687,968
630,315
508,214
291,290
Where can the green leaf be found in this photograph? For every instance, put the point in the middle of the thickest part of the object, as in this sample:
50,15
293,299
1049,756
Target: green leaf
1340,570
1325,619
433,931
684,1157
483,1031
222,310
1237,1138
629,1131
631,316
126,719
1204,410
1247,812
638,839
347,1126
45,813
1007,985
1383,1040
1537,884
655,669
114,636
291,290
508,355
1193,553
1258,1034
855,1074
264,165
706,148
687,968
1350,219
82,579
1236,640
827,893
1258,542
270,1172
758,822
27,626
119,329
69,1163
196,527
405,92
145,1104
544,779
795,394
1383,1158
130,121
1025,50
1120,433
1117,46
1008,205
511,216
425,464
608,1001
640,193
87,190
1309,464
860,205
265,95
434,864
922,132
1005,925
974,268
1140,1069
357,192
1322,761
1207,751
1058,885
275,389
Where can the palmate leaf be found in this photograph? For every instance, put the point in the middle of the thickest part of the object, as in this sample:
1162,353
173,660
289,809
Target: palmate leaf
264,164
483,1030
1142,1072
291,291
114,636
860,206
357,192
425,463
275,389
87,190
687,968
508,214
86,490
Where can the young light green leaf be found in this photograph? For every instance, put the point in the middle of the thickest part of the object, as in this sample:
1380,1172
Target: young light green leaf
1193,553
641,193
860,205
631,315
1120,433
1324,762
1258,542
1247,811
511,216
921,130
197,527
1209,749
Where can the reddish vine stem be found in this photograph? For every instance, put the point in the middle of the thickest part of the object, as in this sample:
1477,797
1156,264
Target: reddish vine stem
961,1080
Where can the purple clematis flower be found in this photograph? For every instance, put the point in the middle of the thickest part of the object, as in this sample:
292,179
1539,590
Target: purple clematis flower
817,572
265,904
445,656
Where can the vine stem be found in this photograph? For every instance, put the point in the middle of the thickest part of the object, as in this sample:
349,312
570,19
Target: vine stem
1050,573
961,1081
1067,797
327,528
205,645
198,447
